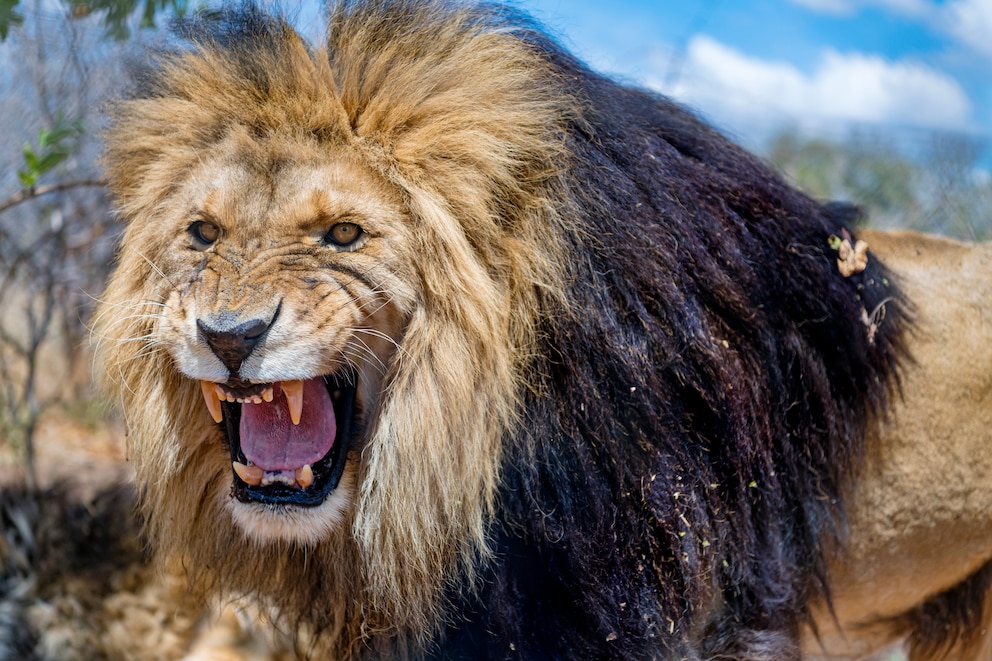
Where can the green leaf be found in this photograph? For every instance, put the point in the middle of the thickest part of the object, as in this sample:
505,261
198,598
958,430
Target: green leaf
26,178
54,147
148,15
53,137
50,160
9,17
30,158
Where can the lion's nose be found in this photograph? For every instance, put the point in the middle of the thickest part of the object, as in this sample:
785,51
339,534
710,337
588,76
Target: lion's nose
233,344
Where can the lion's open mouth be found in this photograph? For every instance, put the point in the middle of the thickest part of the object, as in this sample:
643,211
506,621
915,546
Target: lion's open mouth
288,440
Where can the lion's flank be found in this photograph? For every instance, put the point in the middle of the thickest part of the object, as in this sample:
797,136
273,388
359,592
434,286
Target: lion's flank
633,384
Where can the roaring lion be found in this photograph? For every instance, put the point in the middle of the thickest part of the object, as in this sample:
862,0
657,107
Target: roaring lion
439,344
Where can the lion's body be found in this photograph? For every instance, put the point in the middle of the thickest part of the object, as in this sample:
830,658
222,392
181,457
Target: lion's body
610,382
921,514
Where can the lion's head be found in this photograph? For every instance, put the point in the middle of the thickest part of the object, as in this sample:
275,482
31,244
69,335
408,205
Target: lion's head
434,328
323,302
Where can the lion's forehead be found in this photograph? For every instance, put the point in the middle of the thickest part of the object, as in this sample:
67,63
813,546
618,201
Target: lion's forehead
258,189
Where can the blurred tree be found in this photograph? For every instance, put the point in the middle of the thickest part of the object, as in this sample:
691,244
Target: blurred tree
959,194
56,246
942,190
118,14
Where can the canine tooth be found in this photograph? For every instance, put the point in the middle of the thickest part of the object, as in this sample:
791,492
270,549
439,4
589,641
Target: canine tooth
213,401
251,475
304,476
294,396
268,394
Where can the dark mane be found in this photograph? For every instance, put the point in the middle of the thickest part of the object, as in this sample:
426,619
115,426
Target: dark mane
699,410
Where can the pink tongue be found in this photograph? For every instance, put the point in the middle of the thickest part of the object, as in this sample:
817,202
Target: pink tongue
271,441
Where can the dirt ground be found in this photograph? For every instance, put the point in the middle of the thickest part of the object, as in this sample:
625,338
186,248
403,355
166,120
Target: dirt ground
87,455
108,601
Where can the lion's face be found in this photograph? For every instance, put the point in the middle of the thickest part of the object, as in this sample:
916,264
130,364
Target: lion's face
286,304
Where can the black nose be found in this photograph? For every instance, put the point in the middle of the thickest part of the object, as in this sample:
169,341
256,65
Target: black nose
232,345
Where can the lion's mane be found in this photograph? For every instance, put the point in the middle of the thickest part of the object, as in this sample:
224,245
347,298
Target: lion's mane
633,384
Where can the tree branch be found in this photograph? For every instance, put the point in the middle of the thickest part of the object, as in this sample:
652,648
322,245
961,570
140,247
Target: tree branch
38,191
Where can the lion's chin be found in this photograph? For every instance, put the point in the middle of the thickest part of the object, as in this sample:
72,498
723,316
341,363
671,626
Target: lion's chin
304,526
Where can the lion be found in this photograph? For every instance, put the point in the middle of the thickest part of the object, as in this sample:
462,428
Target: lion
437,344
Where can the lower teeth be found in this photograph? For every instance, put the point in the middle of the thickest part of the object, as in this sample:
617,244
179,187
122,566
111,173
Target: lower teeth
281,477
254,476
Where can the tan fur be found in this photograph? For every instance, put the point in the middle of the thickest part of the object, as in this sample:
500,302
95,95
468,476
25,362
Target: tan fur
921,517
413,155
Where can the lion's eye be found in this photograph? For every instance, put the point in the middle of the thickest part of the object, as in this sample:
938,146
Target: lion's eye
204,233
344,234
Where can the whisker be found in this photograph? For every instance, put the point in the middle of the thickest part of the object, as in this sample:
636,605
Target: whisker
157,270
401,351
364,349
123,304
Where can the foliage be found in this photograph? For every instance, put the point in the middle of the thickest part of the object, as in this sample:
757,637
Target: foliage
120,11
117,19
54,147
9,16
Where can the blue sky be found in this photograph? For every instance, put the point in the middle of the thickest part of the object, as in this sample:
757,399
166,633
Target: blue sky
899,67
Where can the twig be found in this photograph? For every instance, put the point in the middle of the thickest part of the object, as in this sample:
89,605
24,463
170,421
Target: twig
38,191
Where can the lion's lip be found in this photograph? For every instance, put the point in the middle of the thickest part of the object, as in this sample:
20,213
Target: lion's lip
287,439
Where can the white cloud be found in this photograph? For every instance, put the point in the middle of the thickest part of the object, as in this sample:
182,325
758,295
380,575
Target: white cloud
725,83
970,22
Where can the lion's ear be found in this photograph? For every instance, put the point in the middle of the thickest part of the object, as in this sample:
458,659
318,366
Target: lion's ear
426,104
